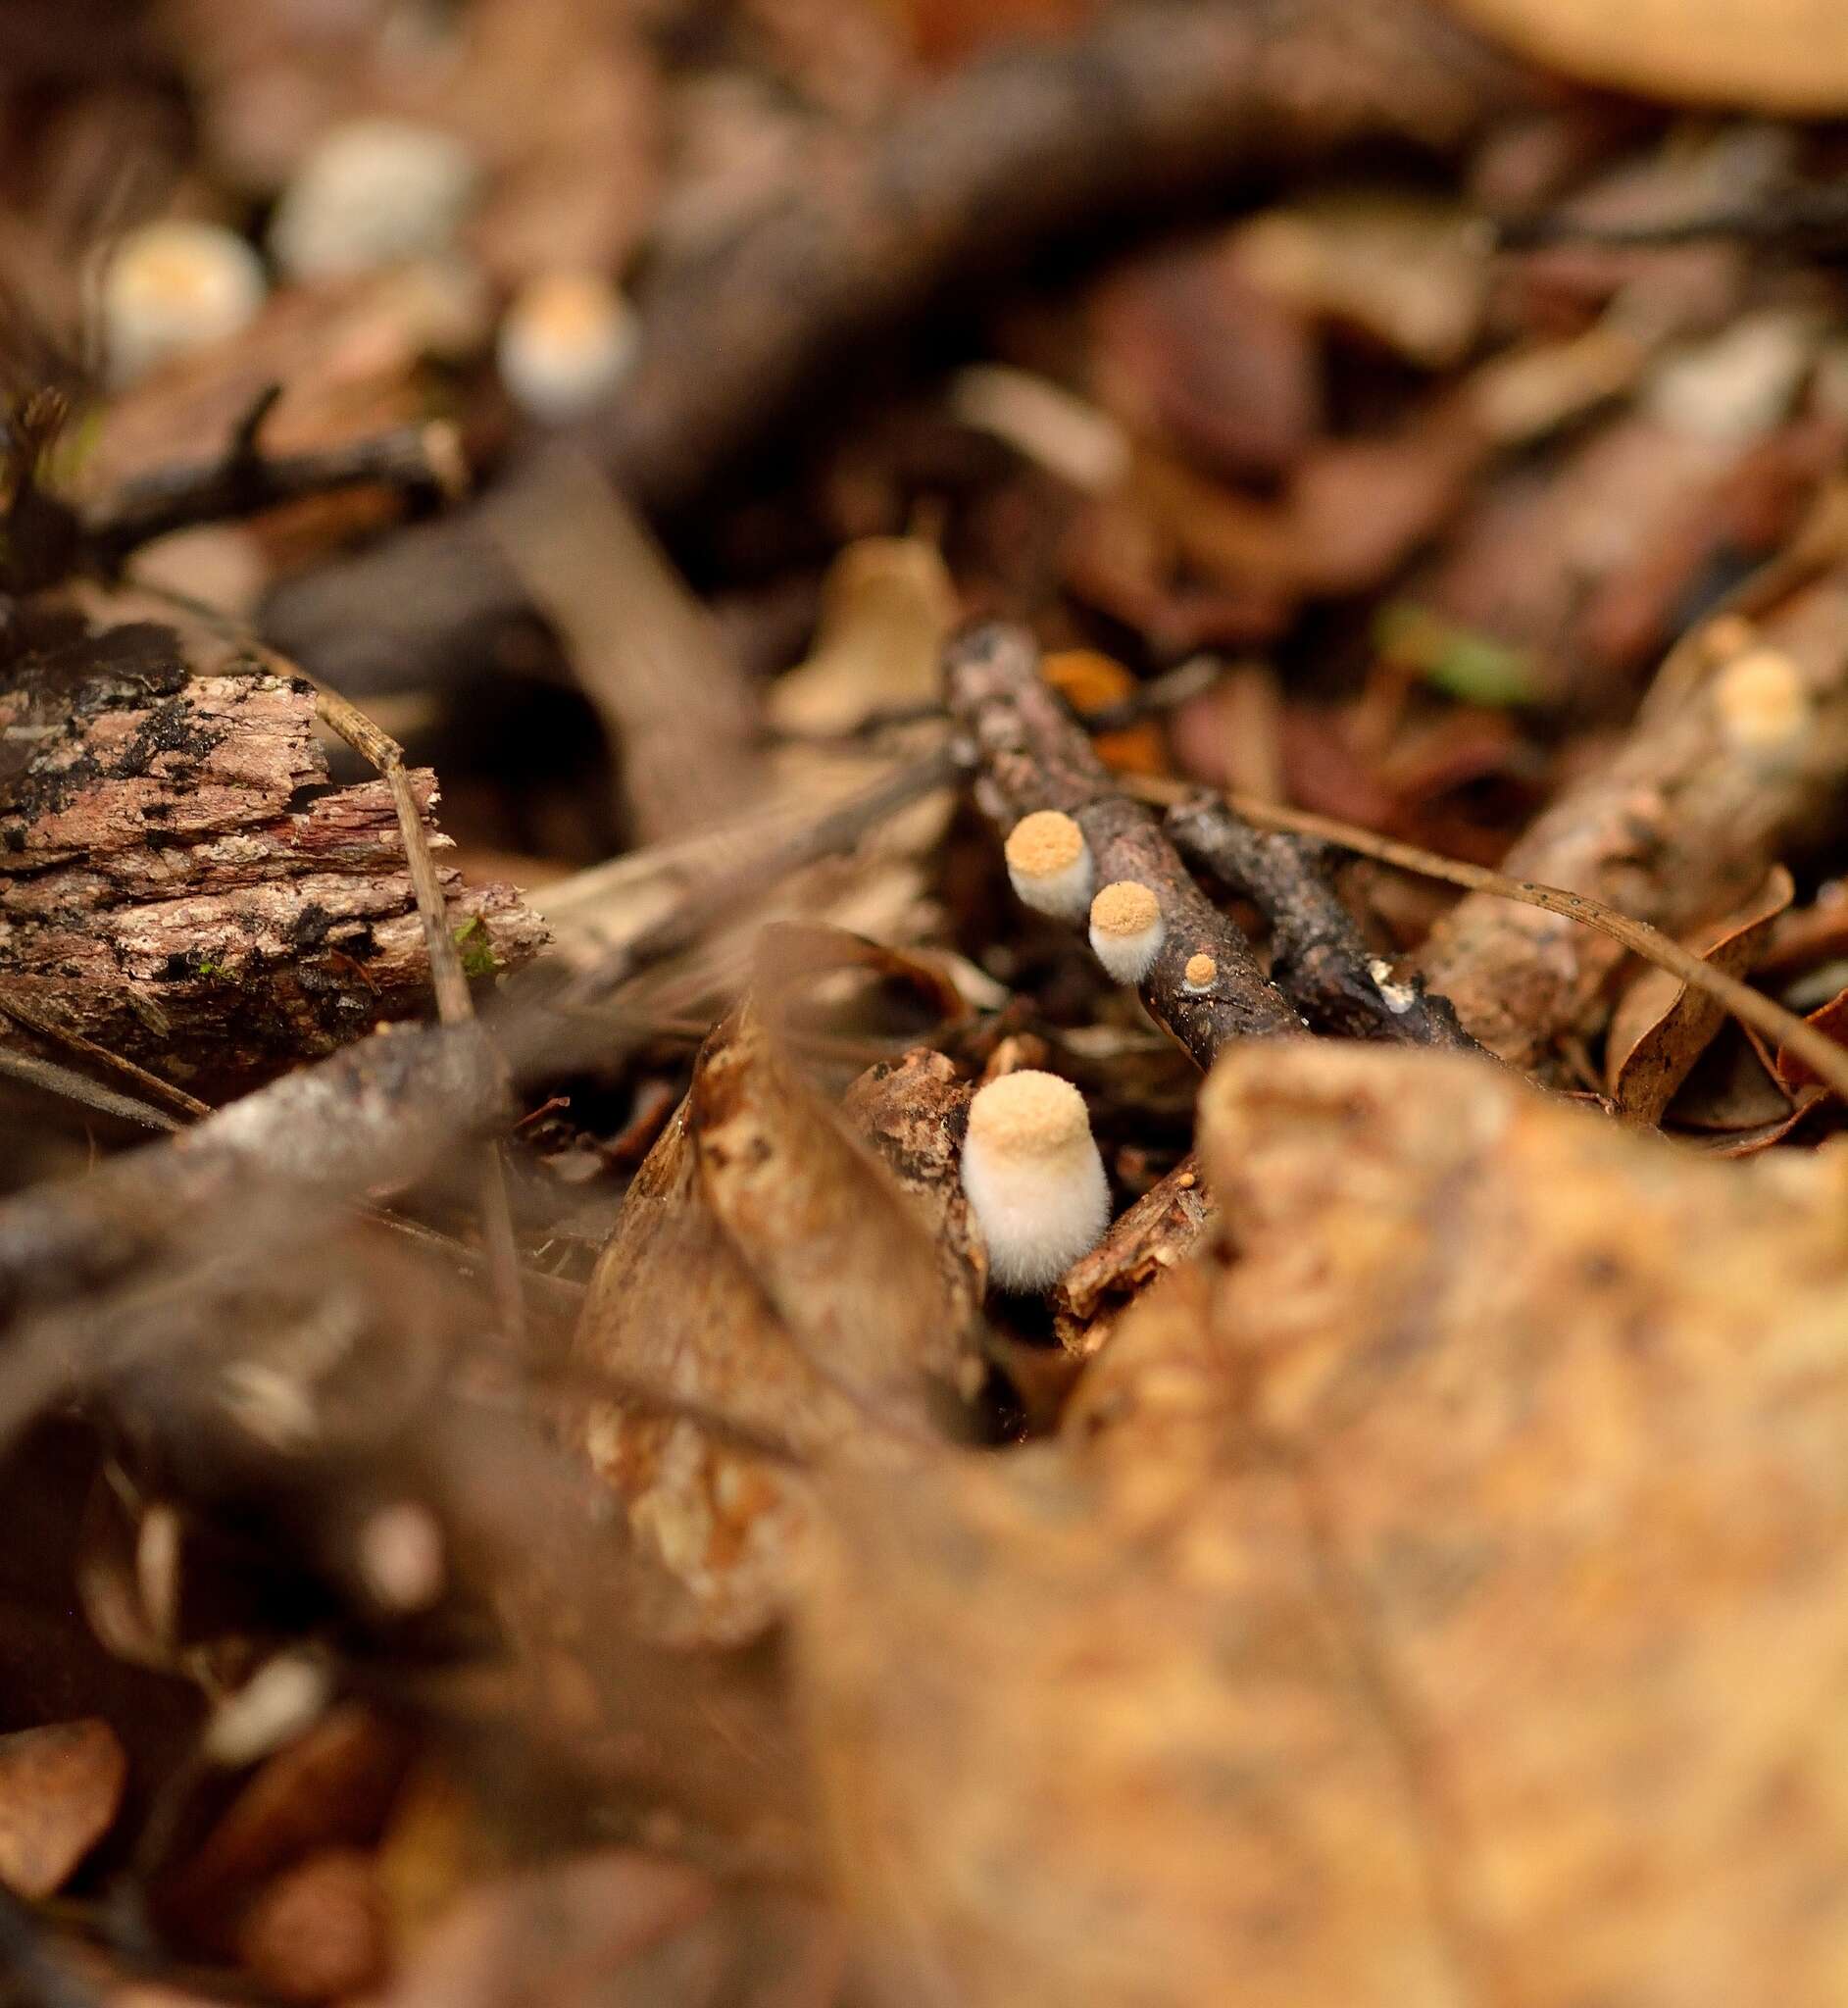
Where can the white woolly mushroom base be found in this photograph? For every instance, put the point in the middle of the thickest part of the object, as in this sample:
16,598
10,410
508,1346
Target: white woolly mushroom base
1037,1216
1065,894
1128,958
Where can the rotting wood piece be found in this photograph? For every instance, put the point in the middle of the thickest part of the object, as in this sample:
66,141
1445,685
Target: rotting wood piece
178,882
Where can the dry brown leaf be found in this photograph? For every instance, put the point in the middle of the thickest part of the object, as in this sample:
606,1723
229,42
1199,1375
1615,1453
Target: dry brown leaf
327,1788
1568,1410
1090,681
1660,1028
1771,55
1731,1088
887,604
1062,1759
1795,1072
560,1935
1444,1598
1410,270
1189,353
317,1930
59,1786
762,1270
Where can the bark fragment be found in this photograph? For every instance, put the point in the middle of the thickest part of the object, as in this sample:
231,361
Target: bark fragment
178,882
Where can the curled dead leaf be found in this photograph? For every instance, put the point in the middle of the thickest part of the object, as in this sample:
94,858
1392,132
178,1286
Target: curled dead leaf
1794,1073
60,1787
765,1270
1661,1026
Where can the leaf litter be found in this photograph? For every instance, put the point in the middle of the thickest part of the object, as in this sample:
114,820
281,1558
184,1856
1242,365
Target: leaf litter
547,1499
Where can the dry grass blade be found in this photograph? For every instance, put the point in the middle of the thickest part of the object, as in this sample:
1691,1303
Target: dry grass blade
1751,1006
175,1099
454,1005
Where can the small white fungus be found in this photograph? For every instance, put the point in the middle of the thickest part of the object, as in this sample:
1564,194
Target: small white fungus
370,193
1126,929
1200,974
1399,997
1034,1179
1049,864
173,286
565,341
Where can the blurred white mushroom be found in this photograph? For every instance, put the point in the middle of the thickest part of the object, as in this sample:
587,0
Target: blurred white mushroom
173,286
1033,1176
565,341
402,1556
370,193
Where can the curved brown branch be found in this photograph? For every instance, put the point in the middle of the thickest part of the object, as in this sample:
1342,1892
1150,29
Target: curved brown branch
1152,101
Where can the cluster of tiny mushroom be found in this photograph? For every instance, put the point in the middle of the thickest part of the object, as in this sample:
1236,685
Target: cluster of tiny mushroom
1031,1170
370,193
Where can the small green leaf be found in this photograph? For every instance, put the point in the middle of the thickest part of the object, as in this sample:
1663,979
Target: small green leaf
1458,660
476,950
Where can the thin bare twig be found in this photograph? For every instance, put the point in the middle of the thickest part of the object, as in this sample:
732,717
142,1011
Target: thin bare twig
454,1005
243,480
376,1114
176,1100
68,1084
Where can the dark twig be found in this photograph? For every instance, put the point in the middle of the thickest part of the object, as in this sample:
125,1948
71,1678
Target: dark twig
244,480
1151,102
1751,1007
175,1100
67,1084
1815,219
1319,958
1034,756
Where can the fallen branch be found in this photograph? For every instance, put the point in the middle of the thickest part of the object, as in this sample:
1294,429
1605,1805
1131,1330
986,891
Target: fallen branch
1765,1014
178,886
377,1114
1033,756
1148,104
244,480
1318,957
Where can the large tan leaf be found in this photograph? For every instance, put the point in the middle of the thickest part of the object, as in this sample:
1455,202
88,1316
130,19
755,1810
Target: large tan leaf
1774,54
1441,1594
